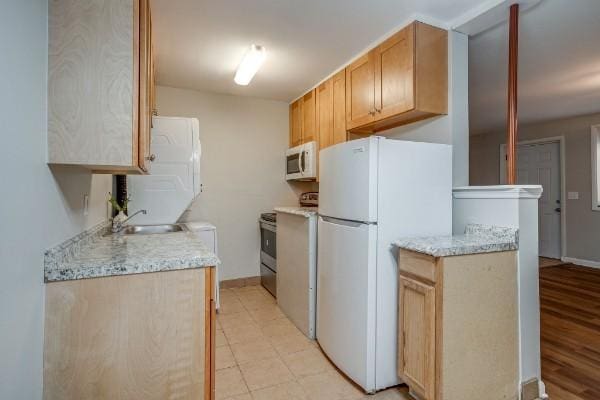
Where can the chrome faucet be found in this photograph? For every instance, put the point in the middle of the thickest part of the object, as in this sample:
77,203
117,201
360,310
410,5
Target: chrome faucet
119,225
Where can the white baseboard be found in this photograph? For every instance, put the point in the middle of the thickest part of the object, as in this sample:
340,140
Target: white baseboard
578,261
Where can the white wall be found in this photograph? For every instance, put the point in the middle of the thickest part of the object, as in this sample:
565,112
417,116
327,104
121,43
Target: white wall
243,144
39,207
452,128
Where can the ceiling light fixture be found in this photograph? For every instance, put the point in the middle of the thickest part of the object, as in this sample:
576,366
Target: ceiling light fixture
252,61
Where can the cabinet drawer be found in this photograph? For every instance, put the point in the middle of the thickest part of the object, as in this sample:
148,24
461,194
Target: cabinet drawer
417,265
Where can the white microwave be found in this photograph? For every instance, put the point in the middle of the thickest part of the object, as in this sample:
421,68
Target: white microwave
301,162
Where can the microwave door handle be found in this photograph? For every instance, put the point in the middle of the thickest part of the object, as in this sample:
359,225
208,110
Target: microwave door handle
302,156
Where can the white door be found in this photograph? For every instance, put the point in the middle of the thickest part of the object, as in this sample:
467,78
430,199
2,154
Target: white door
539,164
348,180
346,303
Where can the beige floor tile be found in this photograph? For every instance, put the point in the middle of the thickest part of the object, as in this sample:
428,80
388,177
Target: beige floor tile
292,343
245,289
307,362
224,358
253,351
244,396
264,291
229,383
279,327
236,319
264,373
231,306
329,386
243,333
267,313
285,391
255,299
220,339
227,294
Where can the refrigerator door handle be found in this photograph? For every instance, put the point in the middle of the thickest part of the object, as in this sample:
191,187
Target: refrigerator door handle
345,222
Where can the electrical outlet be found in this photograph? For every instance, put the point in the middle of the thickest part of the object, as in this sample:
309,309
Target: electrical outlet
86,204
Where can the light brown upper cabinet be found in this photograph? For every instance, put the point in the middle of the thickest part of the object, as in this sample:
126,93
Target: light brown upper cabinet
100,86
296,123
402,80
303,123
309,109
331,110
360,91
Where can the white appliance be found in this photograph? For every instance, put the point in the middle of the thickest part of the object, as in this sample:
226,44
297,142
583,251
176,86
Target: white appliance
297,269
301,162
174,179
373,191
207,233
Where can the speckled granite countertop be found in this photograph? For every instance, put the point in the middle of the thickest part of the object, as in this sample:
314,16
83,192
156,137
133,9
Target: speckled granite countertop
93,254
476,239
302,211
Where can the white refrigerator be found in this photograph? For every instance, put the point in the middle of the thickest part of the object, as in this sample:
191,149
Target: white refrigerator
371,192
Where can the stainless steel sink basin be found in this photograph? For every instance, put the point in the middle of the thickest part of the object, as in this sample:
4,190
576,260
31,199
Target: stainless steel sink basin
150,229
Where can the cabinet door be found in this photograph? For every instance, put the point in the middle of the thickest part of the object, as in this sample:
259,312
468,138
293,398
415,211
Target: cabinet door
325,113
416,336
394,74
360,91
309,120
145,86
152,73
296,123
118,338
339,107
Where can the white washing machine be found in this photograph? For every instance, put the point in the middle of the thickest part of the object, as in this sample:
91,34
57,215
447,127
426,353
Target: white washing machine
174,182
207,233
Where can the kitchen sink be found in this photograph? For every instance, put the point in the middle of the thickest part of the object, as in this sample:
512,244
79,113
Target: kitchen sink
150,229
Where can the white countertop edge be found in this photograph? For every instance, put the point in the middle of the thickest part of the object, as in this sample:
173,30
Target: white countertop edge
498,192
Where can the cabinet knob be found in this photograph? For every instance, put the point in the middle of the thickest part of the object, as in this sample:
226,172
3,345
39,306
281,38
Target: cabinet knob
151,157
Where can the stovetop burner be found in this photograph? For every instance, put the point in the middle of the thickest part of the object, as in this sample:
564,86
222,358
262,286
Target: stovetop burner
271,217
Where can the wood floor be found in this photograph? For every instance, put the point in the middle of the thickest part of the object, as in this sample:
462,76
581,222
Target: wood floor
570,332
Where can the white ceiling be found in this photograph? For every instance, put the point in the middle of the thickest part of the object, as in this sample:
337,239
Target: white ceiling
559,65
199,43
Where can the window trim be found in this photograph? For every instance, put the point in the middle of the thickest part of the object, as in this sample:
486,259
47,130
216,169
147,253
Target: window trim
595,146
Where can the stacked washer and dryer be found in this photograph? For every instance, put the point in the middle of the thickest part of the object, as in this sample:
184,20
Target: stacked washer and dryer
173,183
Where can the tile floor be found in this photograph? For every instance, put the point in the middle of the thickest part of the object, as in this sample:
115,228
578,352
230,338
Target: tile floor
261,355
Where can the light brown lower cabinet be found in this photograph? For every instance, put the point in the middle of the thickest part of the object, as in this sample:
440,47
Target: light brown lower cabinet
458,326
143,336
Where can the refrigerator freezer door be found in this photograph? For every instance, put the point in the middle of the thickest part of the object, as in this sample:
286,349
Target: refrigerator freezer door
346,300
348,180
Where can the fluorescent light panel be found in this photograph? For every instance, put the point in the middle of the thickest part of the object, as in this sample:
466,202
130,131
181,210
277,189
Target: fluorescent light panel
252,61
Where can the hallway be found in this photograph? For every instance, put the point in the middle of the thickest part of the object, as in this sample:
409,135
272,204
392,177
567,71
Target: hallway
570,331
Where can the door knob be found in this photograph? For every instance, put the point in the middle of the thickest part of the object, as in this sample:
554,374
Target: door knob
557,209
151,157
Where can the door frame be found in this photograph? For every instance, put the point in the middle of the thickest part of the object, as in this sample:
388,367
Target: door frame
563,214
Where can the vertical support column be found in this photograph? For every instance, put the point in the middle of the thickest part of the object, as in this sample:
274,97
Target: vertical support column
511,135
